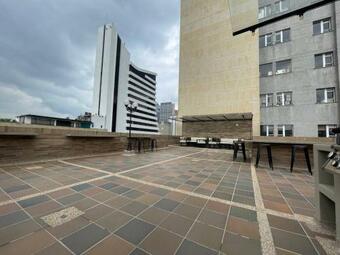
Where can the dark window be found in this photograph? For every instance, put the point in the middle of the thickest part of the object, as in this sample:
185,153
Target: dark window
285,130
284,66
267,130
326,95
284,98
266,40
266,100
326,130
324,60
282,36
266,70
322,26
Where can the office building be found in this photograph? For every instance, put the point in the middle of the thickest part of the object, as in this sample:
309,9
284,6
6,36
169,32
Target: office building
218,77
299,71
167,110
31,119
117,80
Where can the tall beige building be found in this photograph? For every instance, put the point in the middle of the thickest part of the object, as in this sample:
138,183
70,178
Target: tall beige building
218,72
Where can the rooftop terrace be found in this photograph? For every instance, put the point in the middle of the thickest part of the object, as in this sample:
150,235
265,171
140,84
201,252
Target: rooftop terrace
178,200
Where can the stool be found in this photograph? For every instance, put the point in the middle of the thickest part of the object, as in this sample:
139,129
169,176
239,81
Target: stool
269,153
154,145
237,145
292,160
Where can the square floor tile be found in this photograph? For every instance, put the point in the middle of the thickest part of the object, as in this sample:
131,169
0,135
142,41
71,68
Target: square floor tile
206,235
177,224
243,227
108,186
167,204
114,221
212,218
135,231
133,194
234,244
138,251
12,218
134,208
159,191
285,224
112,245
161,242
243,213
97,212
188,211
54,249
71,199
33,201
81,187
82,240
189,247
154,215
293,242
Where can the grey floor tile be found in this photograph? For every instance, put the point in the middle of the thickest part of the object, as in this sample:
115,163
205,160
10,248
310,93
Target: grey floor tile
82,240
81,187
12,218
167,204
135,231
33,201
191,248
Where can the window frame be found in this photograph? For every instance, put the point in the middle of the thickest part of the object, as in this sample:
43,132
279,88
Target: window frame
325,94
328,127
284,130
267,11
280,5
283,98
321,23
267,96
280,32
272,70
324,56
281,61
266,36
267,130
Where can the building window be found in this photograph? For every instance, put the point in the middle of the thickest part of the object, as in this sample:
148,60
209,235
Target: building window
282,36
284,98
284,66
265,11
326,130
324,96
281,6
285,130
267,130
266,70
324,60
266,100
266,40
322,26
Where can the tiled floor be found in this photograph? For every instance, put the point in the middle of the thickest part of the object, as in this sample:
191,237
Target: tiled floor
176,201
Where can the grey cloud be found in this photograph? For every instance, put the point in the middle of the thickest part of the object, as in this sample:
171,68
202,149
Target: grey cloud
47,49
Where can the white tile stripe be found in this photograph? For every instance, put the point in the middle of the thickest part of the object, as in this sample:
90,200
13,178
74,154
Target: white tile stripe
267,241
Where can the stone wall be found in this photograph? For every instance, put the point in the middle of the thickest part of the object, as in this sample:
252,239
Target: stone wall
221,129
25,143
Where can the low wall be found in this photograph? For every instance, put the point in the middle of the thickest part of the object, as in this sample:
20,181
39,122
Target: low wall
26,143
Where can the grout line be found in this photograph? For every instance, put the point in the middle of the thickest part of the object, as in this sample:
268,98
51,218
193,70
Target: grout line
267,242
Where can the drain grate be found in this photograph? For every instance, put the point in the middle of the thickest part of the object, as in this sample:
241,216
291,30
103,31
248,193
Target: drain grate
61,217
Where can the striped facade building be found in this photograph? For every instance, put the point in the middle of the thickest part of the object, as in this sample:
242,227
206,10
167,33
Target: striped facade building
117,80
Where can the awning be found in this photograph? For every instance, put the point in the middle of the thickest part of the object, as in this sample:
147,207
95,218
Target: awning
218,117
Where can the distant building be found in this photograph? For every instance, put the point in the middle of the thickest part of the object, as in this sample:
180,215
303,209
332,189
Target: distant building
166,111
53,121
86,117
116,81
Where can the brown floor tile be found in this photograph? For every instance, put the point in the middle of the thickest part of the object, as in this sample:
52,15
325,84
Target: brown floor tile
213,218
210,237
134,208
29,244
277,206
118,202
68,227
188,211
54,249
16,231
97,212
114,221
85,204
111,245
285,224
161,242
195,201
9,208
61,193
244,228
149,199
235,245
44,209
218,207
177,224
154,215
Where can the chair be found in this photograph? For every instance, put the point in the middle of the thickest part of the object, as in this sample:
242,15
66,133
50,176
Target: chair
214,142
237,145
269,153
292,160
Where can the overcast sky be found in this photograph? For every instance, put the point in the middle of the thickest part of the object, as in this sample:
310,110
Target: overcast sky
47,50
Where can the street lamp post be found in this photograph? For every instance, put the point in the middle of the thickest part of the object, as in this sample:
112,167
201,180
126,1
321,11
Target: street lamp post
130,107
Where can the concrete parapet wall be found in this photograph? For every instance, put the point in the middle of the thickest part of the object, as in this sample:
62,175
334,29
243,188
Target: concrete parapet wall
26,143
